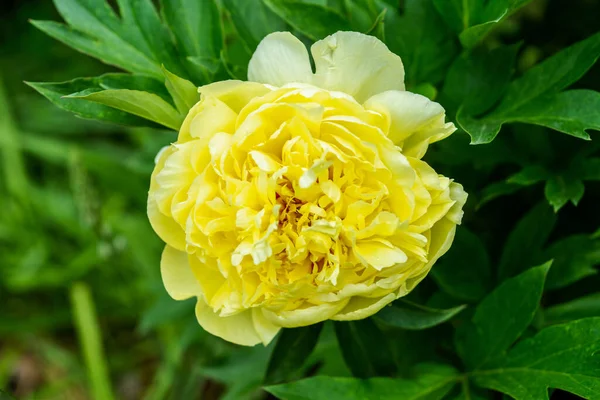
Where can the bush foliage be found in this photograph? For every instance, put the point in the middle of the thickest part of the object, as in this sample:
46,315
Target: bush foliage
512,308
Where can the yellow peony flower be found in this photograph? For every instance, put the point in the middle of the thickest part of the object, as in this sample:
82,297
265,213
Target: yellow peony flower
299,197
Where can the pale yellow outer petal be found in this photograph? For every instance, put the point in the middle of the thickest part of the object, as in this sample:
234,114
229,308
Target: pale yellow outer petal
177,276
165,226
280,58
266,329
305,316
238,328
415,121
458,194
357,64
363,307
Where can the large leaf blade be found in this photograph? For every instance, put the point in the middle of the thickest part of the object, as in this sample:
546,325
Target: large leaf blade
416,317
196,25
132,61
293,347
535,98
431,382
501,318
467,280
313,20
525,242
143,104
364,348
253,21
561,356
57,92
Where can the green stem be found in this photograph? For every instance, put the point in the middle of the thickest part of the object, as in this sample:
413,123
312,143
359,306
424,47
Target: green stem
90,339
465,388
167,371
10,149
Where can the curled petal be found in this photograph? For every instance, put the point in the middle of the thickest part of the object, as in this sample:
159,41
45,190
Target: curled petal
305,316
414,120
363,307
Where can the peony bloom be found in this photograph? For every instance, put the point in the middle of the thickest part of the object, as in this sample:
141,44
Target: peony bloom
299,197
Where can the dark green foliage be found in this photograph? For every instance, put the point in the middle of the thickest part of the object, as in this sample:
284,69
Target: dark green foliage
290,352
79,263
365,348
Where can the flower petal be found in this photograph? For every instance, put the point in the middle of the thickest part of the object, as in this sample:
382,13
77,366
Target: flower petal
305,316
415,121
265,329
458,194
280,58
165,226
236,94
363,307
177,276
238,328
357,64
379,254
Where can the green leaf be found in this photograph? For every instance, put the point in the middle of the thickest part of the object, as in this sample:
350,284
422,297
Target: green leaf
136,42
313,20
413,316
365,16
132,82
425,89
534,98
588,169
365,348
209,66
143,104
530,175
57,92
501,318
560,189
457,13
561,356
253,21
478,79
583,307
241,373
421,38
495,190
5,396
570,112
553,74
473,19
196,25
525,242
487,17
142,26
467,279
430,382
184,93
293,347
574,258
117,54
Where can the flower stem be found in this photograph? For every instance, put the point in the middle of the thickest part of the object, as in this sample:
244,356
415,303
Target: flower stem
90,339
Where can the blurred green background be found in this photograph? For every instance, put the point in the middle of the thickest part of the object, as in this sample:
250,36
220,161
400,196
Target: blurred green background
75,241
